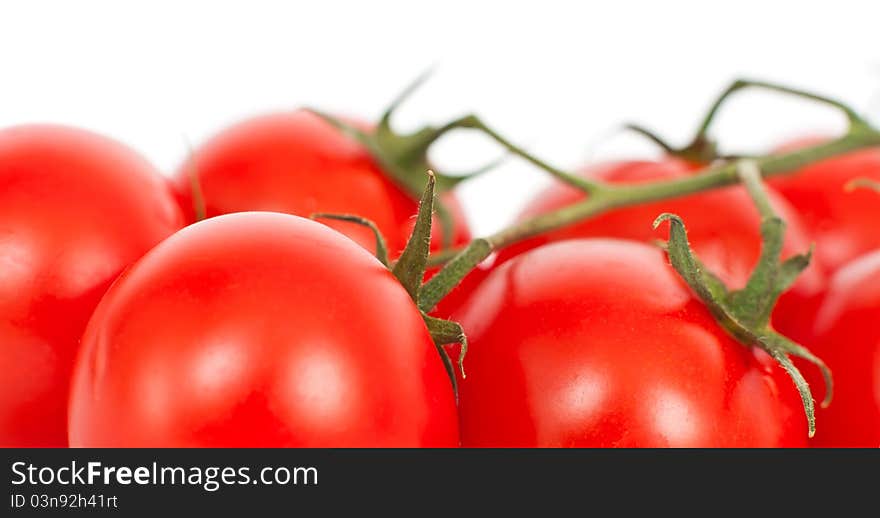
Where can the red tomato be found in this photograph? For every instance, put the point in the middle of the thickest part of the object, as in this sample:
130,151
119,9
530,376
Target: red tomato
596,343
75,209
259,329
848,339
842,223
299,164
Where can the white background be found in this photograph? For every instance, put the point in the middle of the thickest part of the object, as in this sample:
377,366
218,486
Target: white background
558,77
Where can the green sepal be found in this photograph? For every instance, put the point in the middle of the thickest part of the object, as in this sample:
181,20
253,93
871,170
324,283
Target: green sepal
770,278
745,313
446,332
404,157
410,267
410,270
735,311
452,273
708,286
381,246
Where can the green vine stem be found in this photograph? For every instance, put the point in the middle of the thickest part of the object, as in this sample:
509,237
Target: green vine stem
475,123
702,135
602,197
700,150
703,148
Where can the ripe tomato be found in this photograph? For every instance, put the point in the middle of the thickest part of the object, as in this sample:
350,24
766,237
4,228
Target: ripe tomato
75,209
259,329
847,337
596,343
842,223
299,164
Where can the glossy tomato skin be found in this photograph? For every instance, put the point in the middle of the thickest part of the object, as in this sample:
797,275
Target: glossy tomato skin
259,329
76,208
847,337
298,164
597,343
842,223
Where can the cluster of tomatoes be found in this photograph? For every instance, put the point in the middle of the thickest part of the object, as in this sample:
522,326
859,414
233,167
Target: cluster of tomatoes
208,311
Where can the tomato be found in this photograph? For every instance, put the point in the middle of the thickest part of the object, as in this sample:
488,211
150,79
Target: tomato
76,208
847,337
259,330
597,343
842,223
299,164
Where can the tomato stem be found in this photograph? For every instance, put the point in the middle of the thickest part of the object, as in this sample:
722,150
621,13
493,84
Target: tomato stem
700,150
740,84
406,93
602,197
475,123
